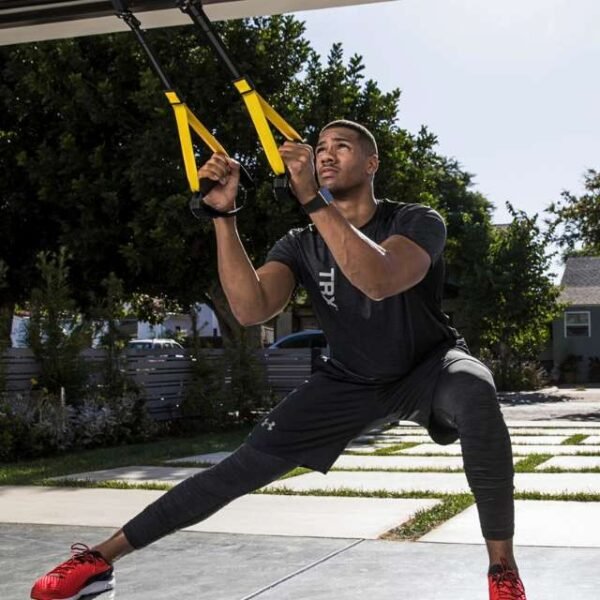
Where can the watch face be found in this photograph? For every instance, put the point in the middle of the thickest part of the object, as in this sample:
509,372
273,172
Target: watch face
326,195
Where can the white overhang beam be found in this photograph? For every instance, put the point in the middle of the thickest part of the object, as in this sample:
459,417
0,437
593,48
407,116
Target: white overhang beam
31,21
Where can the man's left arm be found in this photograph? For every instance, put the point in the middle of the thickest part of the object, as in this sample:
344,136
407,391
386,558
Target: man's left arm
378,270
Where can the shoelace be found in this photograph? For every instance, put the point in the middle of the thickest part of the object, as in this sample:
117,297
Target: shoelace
81,554
508,583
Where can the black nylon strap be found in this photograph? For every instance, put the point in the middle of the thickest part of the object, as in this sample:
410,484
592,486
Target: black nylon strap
201,210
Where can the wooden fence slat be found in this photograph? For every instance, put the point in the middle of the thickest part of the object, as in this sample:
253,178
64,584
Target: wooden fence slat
162,378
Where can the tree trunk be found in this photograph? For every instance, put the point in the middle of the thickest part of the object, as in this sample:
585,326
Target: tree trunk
6,314
194,317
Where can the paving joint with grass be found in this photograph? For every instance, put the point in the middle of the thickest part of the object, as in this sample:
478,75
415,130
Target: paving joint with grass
427,519
575,439
528,464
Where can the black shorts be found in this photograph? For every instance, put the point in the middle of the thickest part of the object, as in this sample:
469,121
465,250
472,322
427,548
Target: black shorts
314,423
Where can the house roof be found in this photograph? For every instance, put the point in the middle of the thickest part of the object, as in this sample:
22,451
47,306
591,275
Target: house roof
581,280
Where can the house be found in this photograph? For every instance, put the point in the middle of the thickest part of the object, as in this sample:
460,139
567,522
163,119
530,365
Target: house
576,334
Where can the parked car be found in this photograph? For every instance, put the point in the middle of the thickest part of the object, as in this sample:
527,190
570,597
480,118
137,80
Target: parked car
309,338
171,347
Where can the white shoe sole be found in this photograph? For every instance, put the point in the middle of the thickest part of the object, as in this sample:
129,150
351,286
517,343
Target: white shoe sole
96,587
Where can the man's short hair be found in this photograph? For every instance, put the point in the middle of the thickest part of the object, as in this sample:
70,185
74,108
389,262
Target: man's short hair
366,138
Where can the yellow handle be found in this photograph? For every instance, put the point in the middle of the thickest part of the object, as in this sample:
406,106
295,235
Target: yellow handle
186,120
262,113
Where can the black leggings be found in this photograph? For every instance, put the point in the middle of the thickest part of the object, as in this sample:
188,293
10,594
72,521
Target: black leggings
203,494
464,401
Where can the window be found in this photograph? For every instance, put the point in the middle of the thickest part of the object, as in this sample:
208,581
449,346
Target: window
578,324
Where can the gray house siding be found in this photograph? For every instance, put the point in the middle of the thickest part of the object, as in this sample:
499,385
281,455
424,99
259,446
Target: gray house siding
583,346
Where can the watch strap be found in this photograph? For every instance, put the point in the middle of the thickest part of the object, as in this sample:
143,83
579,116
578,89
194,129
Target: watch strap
321,200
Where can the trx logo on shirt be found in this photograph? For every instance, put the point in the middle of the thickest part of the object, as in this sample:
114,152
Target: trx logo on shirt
268,424
327,286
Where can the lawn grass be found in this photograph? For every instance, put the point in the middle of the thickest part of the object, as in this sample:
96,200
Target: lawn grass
528,464
34,472
395,448
425,520
573,440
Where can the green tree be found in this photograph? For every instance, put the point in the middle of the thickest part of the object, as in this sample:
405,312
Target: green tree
108,314
580,218
56,334
517,298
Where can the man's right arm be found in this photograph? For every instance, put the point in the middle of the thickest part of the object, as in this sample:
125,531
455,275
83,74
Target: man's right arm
253,296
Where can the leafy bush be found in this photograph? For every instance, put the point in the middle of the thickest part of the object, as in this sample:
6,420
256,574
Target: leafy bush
42,424
206,405
225,393
248,389
568,368
594,369
513,375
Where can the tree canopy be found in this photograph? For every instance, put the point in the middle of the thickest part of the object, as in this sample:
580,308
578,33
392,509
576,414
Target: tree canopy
580,218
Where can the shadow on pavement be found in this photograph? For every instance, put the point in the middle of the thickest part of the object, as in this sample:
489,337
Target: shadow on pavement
520,398
580,417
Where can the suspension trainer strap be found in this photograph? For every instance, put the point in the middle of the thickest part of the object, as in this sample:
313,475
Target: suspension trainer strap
262,114
186,120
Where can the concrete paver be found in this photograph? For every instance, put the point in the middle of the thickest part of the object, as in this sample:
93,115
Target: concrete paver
228,567
518,449
567,431
183,565
366,518
212,458
366,448
592,439
521,439
398,462
438,572
538,523
553,423
137,474
572,463
451,483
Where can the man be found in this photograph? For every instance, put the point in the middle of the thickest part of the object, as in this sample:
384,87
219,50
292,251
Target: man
374,272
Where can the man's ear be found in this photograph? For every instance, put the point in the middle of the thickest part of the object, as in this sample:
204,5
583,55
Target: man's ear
372,164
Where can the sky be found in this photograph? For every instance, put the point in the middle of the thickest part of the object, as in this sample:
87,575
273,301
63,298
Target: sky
510,87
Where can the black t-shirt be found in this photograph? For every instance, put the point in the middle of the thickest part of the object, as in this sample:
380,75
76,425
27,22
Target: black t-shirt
379,339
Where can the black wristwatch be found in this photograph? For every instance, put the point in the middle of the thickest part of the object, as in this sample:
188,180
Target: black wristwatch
323,199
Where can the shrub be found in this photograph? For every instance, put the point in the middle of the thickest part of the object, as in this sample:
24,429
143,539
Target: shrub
594,369
568,368
513,375
206,405
248,390
41,424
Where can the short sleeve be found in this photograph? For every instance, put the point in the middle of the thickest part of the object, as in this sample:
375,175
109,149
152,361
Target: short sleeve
285,251
424,226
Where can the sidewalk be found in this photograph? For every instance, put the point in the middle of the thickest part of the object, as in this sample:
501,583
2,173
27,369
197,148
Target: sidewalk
280,547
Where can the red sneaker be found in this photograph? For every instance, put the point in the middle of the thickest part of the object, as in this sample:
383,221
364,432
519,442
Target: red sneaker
86,572
505,583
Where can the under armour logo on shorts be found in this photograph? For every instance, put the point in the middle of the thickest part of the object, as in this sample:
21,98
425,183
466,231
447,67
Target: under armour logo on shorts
268,424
